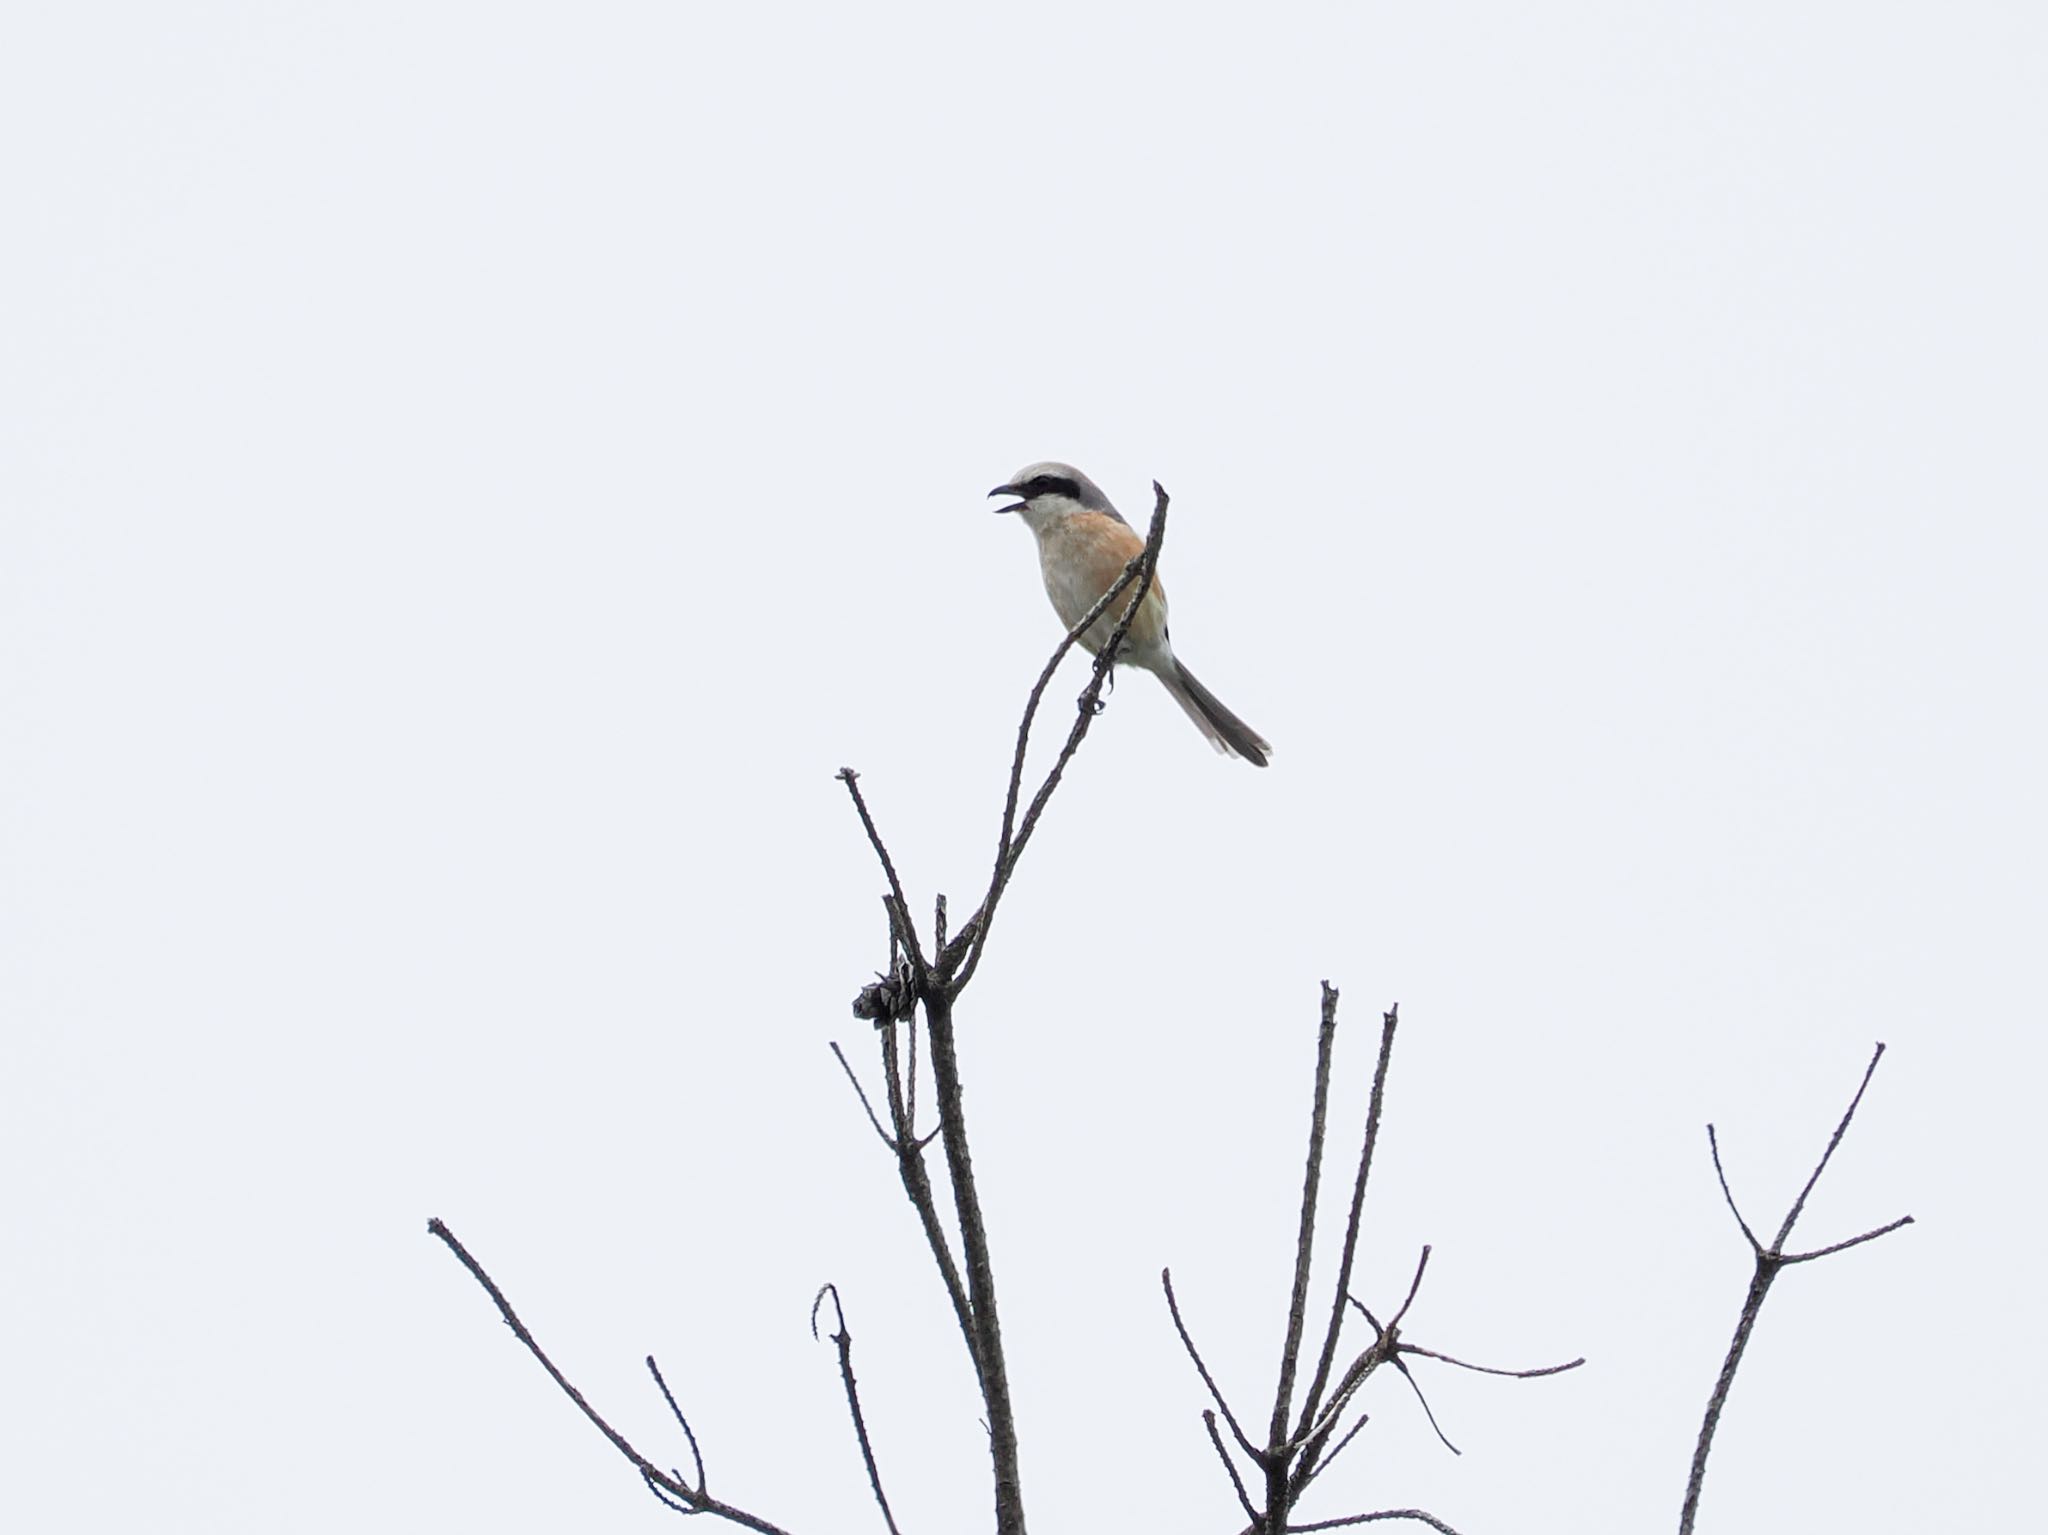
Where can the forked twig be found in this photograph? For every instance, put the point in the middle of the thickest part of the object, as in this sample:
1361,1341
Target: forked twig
1769,1261
689,1434
668,1486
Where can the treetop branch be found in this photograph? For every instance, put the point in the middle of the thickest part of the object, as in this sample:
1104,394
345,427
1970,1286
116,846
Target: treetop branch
972,939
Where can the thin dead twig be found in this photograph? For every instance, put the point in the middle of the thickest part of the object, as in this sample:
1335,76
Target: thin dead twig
1304,1240
1202,1368
972,939
873,1119
670,1487
1244,1499
1389,1021
1416,1515
1485,1369
899,908
842,1338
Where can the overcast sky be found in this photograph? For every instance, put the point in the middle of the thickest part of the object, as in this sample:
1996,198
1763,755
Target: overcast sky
470,474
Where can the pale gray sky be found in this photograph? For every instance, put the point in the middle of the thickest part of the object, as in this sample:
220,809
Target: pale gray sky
470,474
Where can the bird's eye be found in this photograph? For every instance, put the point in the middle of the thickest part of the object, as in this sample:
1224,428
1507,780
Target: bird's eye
1055,485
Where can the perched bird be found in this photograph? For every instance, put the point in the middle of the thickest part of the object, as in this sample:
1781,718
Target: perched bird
1083,546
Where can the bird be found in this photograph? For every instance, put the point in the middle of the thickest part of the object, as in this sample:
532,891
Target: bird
1083,546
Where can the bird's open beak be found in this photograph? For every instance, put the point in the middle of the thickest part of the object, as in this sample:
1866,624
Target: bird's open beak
1007,490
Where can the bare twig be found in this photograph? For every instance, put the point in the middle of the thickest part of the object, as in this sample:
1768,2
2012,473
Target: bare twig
1483,1369
1414,1288
1841,1129
1714,1147
1313,1468
840,1055
1769,1261
670,1487
1304,1240
1354,1377
899,909
972,939
1414,1514
1838,1247
1244,1500
842,1337
1390,1348
1215,1391
689,1434
1416,1386
1389,1021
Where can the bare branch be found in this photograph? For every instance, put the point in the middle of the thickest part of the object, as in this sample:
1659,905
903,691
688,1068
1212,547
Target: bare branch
972,938
1385,1347
1215,1392
910,1112
667,1502
1414,1514
668,1396
910,1094
1842,1129
1243,1497
973,1291
660,1481
1714,1145
985,1341
970,1283
1388,1022
1769,1261
1416,1386
917,1186
1304,1241
1414,1285
842,1337
900,909
1348,1386
1482,1369
863,1094
1836,1247
1752,1305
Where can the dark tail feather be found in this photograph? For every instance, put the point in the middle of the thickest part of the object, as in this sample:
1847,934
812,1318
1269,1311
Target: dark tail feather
1226,732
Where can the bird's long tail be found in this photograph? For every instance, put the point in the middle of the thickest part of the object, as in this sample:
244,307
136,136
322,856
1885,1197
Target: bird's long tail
1226,732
